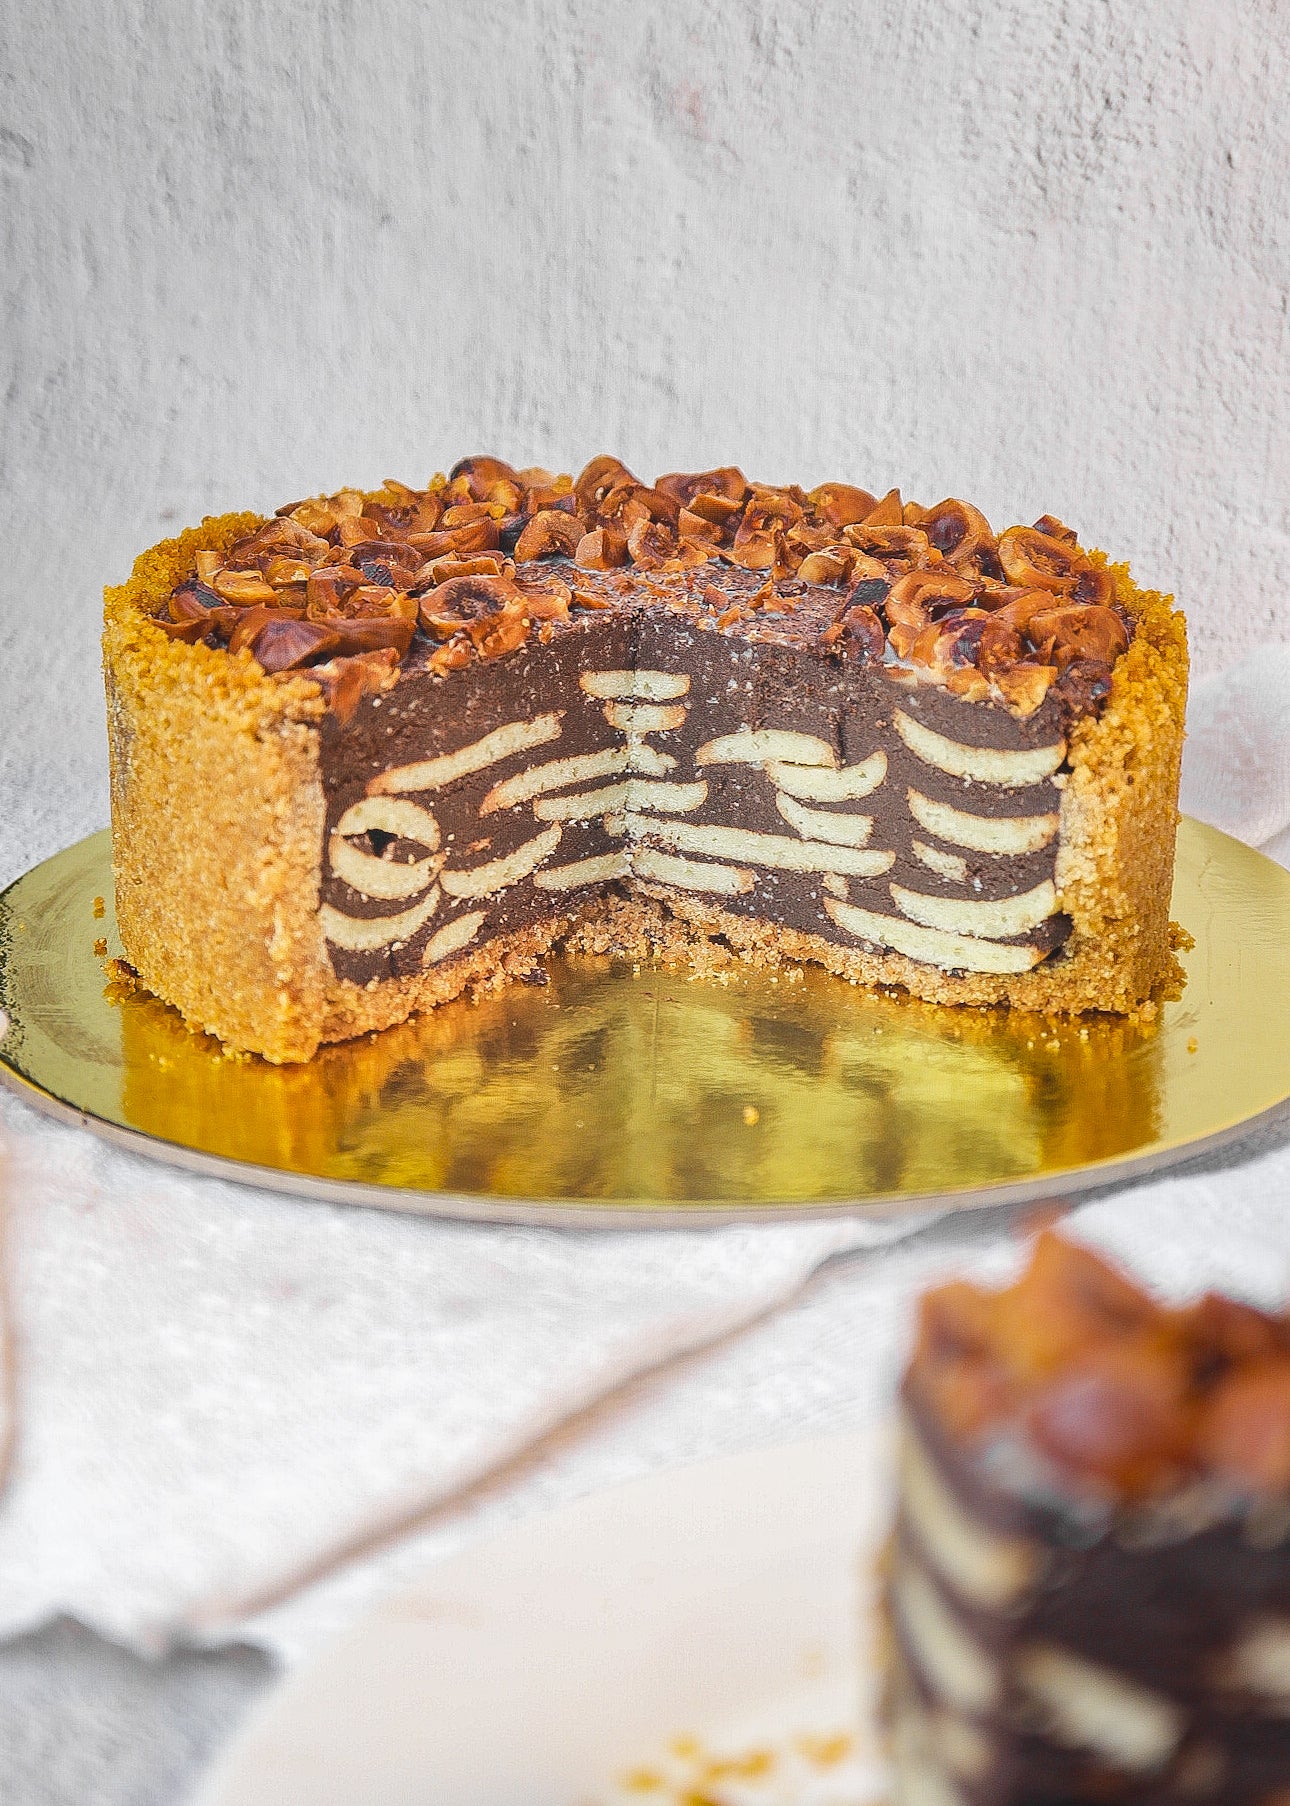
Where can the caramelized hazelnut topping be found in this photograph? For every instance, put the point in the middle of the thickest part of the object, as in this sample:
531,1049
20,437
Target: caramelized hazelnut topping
600,476
1116,1392
603,549
841,505
344,576
859,633
1067,634
959,532
479,477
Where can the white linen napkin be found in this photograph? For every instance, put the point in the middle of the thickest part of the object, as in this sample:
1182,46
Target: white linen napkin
220,1388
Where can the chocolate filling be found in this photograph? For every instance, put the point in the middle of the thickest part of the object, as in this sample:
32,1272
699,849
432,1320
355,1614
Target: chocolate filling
862,797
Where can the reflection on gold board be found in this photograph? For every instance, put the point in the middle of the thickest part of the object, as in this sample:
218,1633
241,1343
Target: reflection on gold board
647,1087
611,1083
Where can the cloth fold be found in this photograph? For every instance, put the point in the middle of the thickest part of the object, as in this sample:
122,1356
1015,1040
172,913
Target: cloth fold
222,1390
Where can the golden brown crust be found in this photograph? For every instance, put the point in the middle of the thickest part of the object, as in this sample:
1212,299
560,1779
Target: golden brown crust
217,817
1119,816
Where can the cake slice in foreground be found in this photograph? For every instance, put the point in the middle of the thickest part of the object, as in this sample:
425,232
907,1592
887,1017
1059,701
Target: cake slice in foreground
1088,1596
380,750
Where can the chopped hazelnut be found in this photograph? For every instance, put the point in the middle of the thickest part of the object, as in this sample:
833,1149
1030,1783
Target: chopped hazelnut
603,549
897,548
596,481
841,505
545,598
465,514
549,532
494,639
1038,561
243,587
694,526
1023,686
886,513
283,644
831,565
442,570
859,633
719,510
729,484
450,657
479,475
919,598
1063,635
192,601
959,532
373,635
754,551
466,600
1049,525
651,545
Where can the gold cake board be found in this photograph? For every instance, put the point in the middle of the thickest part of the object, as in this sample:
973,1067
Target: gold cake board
630,1095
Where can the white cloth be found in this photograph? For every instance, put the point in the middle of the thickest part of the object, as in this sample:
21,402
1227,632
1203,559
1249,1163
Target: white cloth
829,1359
221,1390
1236,765
220,1387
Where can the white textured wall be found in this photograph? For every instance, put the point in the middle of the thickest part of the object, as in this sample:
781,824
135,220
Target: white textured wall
1032,251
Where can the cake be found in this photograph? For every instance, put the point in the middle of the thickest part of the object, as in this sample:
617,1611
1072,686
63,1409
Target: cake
380,749
1088,1588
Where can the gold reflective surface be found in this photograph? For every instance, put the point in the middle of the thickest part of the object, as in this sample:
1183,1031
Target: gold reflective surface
620,1093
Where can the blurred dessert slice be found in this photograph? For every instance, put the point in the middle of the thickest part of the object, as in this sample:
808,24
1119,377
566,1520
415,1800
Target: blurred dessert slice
1088,1594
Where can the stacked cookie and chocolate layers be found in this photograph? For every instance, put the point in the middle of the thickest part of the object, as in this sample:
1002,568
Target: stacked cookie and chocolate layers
381,749
1088,1597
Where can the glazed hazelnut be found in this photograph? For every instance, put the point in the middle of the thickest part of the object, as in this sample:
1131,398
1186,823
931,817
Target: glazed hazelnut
549,533
1065,634
596,481
651,545
728,484
841,505
603,549
1039,561
463,600
959,532
480,474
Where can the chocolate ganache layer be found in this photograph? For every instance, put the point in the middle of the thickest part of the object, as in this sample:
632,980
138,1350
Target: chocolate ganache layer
843,714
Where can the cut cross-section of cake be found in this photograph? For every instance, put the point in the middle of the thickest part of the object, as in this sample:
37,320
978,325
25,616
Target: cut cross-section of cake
381,749
1088,1586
